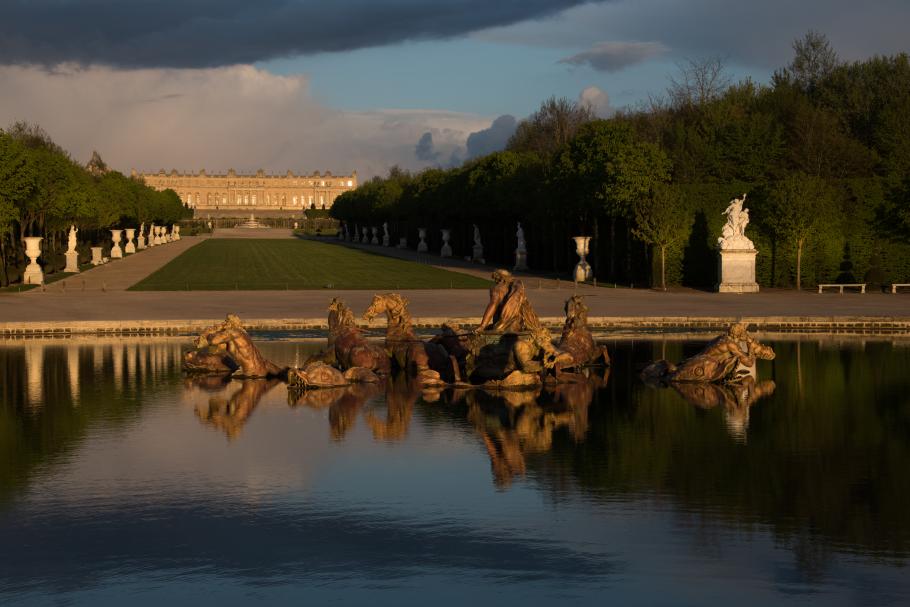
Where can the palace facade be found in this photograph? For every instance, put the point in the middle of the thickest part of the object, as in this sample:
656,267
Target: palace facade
261,194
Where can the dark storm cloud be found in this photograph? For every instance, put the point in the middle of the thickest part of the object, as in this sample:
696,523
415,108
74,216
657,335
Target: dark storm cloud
424,150
614,56
493,139
210,33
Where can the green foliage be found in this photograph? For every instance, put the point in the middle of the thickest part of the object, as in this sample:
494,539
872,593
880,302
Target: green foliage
662,220
825,138
43,191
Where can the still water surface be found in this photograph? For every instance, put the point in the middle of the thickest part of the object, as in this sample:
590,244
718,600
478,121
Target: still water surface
122,482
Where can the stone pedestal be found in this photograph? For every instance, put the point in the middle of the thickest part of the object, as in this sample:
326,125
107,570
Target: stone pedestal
403,242
116,251
140,240
365,238
521,260
130,247
446,250
97,259
33,274
477,253
736,271
583,269
422,245
375,239
72,261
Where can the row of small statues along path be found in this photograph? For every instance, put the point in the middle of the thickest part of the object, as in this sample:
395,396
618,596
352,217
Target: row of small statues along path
509,349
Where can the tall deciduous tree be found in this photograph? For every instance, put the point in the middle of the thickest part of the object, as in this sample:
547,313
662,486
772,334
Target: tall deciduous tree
550,127
662,220
795,209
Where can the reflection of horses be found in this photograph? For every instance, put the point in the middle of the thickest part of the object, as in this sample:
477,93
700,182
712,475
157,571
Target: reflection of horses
348,345
232,414
344,404
430,362
401,395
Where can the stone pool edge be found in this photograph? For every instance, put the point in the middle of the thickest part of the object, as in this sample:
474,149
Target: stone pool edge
826,324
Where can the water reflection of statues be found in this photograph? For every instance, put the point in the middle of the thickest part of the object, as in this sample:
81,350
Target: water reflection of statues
229,337
728,357
733,234
232,414
735,398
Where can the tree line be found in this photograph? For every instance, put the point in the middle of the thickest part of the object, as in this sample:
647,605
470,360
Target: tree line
820,150
43,191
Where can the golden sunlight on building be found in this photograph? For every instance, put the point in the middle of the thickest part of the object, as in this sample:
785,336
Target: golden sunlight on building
233,194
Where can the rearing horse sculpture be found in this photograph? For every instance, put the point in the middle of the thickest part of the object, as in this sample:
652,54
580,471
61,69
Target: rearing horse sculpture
349,346
430,362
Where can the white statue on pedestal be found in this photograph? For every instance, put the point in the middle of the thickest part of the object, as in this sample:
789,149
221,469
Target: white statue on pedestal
733,234
366,235
152,235
375,236
521,251
737,252
385,234
140,240
72,257
477,250
446,250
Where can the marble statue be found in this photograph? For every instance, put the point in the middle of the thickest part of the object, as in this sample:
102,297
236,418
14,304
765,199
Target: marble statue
385,234
733,234
375,239
727,358
477,249
366,235
72,257
152,235
446,250
521,250
737,252
140,240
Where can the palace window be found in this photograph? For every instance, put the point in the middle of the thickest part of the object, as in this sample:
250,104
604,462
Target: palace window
350,183
254,199
322,201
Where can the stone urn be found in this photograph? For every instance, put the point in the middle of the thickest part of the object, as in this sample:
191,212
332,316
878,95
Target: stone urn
422,245
583,269
130,247
446,250
375,239
116,251
33,274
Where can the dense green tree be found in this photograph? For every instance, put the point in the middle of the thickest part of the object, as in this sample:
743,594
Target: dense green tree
662,220
795,209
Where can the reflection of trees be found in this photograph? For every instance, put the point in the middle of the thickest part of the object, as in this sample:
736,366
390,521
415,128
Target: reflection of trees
824,469
48,413
231,415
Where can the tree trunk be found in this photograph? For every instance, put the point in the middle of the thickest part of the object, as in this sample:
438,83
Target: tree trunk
613,249
596,240
629,252
663,268
799,264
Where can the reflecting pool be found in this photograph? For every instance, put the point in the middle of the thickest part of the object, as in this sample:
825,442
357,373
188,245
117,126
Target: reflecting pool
124,482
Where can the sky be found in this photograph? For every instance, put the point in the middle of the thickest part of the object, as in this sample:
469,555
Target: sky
368,84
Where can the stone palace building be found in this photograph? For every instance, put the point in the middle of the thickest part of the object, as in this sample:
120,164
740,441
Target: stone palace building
260,194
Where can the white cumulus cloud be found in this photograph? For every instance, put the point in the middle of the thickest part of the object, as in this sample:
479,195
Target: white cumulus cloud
239,116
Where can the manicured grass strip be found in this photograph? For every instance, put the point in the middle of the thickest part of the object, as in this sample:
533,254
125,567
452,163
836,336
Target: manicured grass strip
259,264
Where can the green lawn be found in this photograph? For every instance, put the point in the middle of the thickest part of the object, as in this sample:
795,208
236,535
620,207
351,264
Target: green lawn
253,264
